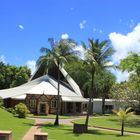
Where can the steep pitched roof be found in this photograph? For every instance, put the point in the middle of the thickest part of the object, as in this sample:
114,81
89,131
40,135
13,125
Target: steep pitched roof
63,75
46,85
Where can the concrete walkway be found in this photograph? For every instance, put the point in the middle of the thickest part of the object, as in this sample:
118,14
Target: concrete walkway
40,122
34,129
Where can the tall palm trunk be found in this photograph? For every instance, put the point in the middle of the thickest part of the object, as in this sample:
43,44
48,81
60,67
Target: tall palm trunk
58,101
88,112
122,129
103,103
90,99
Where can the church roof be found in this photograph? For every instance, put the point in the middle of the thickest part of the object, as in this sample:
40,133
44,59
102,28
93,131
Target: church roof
46,85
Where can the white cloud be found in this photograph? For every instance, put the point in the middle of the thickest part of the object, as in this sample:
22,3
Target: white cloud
121,76
65,36
81,51
131,24
82,24
32,65
123,44
21,27
100,31
2,59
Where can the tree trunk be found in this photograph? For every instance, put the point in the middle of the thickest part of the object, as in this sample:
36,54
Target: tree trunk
91,92
58,100
122,129
103,103
88,112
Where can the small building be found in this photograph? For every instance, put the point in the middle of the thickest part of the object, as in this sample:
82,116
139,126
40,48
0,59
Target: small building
40,94
110,104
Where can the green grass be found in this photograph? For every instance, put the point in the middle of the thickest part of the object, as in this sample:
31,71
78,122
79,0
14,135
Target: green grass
132,124
66,133
51,116
18,126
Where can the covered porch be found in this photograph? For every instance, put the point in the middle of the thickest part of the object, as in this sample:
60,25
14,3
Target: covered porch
73,105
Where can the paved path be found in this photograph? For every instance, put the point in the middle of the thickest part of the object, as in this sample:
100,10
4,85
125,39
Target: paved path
39,122
34,129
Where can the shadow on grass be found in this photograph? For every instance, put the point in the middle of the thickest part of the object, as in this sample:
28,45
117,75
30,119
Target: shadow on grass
68,130
122,136
129,123
29,124
133,123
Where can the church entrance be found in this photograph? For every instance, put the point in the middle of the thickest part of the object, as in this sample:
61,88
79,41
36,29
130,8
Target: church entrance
43,109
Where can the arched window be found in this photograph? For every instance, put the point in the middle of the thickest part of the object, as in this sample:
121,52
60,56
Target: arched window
32,103
53,103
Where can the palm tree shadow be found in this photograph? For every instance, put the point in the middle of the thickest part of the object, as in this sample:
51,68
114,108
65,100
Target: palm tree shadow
69,130
133,123
29,124
118,135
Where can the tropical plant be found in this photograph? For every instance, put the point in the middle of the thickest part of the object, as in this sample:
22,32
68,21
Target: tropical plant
59,53
21,110
123,114
131,63
97,55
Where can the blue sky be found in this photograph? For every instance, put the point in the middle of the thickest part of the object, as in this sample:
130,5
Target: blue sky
25,25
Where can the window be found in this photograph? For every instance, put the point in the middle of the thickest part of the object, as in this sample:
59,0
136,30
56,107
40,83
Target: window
108,108
33,103
53,104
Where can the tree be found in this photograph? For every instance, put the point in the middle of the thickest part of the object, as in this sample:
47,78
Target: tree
59,53
123,94
104,80
2,76
98,54
78,72
11,76
123,114
22,75
132,64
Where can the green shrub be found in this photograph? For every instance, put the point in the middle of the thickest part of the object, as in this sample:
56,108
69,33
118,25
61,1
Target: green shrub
1,102
11,110
21,110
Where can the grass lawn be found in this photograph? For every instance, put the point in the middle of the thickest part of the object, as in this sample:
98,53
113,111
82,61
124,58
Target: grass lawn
18,126
51,116
132,124
65,133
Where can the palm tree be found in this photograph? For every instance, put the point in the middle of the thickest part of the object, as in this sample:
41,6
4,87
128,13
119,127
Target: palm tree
123,114
59,53
104,80
97,55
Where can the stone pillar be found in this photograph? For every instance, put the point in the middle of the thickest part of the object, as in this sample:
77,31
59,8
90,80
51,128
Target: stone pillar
41,136
74,107
5,135
65,107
